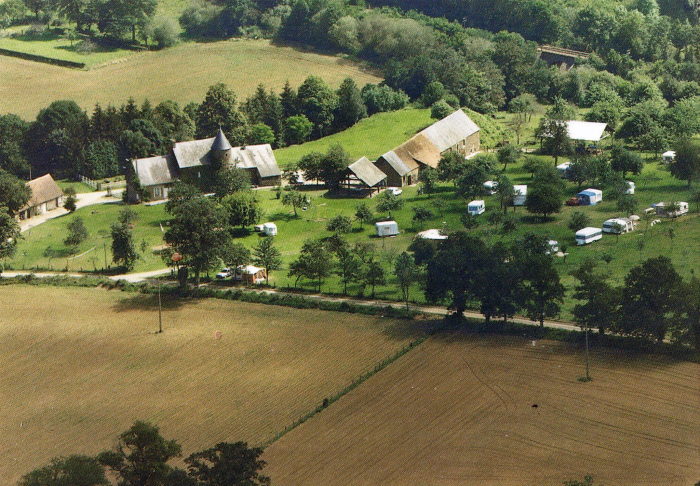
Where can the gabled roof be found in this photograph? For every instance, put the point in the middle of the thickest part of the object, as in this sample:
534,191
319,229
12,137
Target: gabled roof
221,142
43,189
400,161
585,131
194,153
154,171
422,150
367,172
258,157
450,130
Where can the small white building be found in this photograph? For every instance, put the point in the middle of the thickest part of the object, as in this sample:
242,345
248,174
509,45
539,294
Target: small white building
618,226
668,157
590,197
491,187
520,197
476,207
588,235
387,228
270,229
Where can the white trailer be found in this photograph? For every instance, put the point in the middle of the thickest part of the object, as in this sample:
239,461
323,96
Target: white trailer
590,197
668,157
661,209
387,228
618,226
477,207
588,235
270,229
520,197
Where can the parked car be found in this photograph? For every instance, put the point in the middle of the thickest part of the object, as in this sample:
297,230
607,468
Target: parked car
396,191
573,201
225,273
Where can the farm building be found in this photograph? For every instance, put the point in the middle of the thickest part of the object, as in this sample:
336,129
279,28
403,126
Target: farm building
454,133
363,176
590,197
583,131
195,162
46,195
520,195
564,59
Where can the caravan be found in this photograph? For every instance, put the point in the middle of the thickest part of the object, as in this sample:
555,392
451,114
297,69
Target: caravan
387,228
491,187
520,197
477,207
588,235
590,197
618,226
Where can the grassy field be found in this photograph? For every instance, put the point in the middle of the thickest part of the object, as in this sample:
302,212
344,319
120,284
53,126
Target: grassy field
502,411
182,73
55,46
81,365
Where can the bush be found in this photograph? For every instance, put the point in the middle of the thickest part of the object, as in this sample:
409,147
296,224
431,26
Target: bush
440,110
166,32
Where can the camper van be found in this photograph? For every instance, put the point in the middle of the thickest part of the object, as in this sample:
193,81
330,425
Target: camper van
387,228
491,187
618,226
270,229
477,207
662,211
668,157
590,197
520,192
588,235
564,169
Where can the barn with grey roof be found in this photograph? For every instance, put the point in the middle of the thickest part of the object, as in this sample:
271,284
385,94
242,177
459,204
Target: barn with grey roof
195,162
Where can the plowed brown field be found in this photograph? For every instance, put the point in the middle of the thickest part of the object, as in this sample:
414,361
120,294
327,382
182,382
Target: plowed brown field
474,410
79,366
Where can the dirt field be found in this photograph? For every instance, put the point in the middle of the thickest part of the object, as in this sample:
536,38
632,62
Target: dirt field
182,73
461,411
79,366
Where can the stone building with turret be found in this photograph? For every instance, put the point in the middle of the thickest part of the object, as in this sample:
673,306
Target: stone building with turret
196,162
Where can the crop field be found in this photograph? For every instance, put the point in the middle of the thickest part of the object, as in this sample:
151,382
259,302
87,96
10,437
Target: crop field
182,73
503,411
81,365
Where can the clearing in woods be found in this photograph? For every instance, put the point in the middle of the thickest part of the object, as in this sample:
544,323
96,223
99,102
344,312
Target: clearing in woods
81,365
182,73
499,411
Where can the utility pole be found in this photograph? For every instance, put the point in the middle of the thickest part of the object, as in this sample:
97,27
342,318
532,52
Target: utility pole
105,249
160,315
588,376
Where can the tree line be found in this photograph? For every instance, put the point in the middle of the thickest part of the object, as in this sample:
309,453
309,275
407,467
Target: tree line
141,458
65,141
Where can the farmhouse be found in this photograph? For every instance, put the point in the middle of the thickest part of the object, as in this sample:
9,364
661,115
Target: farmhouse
195,162
46,195
364,176
454,133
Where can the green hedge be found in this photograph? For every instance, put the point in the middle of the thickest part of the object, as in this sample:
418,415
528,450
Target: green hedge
44,59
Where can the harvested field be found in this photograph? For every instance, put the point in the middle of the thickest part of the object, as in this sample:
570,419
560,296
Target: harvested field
182,73
81,365
498,411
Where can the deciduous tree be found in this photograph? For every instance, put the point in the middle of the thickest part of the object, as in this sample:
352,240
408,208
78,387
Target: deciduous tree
228,464
266,255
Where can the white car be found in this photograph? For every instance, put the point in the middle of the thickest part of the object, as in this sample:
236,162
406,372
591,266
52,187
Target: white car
225,273
394,190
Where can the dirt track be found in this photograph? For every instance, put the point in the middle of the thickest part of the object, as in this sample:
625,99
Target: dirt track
462,411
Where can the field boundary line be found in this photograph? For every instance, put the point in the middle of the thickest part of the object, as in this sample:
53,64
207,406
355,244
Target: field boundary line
328,401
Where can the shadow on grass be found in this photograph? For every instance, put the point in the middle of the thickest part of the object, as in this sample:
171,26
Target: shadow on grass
149,302
286,217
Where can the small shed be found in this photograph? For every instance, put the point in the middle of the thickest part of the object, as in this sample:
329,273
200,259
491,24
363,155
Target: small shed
668,157
45,196
476,207
250,274
270,229
363,175
387,228
520,197
590,197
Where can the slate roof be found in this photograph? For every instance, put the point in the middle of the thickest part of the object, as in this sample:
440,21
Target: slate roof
259,157
400,161
221,142
153,171
194,153
43,189
367,172
450,130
